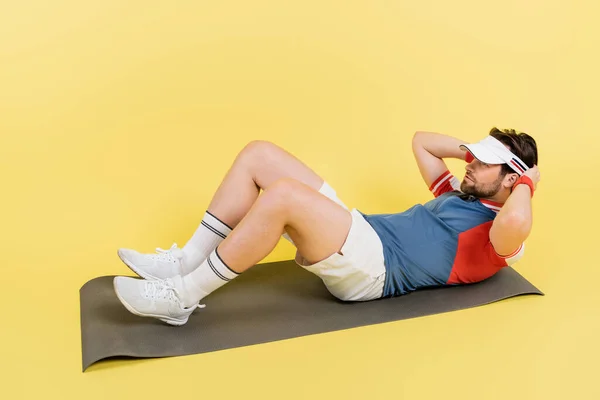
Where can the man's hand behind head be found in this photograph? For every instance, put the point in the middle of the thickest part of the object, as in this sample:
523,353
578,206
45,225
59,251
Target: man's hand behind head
534,175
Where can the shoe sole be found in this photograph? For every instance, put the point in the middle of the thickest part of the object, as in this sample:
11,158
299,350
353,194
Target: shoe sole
170,321
132,267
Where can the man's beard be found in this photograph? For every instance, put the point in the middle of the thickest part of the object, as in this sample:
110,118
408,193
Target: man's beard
481,190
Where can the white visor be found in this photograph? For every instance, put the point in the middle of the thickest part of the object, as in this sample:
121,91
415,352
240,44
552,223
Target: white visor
492,151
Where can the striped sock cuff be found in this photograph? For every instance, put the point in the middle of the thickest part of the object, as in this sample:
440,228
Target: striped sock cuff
219,268
215,225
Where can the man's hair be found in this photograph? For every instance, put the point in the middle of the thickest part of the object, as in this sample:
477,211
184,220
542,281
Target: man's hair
520,143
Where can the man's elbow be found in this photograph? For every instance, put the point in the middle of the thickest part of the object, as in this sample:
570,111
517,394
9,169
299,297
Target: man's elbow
419,135
416,137
517,223
419,139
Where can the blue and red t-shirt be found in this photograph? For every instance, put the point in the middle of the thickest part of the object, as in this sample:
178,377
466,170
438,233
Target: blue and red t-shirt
442,242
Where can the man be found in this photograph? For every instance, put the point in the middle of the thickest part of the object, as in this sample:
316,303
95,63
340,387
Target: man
469,231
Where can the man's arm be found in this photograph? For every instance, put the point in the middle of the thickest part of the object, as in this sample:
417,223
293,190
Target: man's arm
429,148
513,223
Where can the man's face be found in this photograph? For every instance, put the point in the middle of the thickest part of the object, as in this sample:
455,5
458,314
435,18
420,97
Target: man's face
482,180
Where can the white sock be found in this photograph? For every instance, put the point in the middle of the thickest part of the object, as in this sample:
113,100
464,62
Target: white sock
208,277
211,232
327,191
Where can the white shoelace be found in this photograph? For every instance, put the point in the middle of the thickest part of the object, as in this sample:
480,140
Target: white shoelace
164,290
161,290
165,255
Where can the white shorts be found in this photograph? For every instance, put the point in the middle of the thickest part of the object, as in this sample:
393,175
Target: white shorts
358,274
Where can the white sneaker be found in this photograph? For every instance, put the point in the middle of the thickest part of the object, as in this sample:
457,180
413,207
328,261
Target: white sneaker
165,264
157,298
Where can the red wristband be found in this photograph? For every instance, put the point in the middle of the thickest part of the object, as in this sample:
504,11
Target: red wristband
469,157
525,180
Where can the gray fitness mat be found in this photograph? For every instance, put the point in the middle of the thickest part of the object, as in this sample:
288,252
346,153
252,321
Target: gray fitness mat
271,301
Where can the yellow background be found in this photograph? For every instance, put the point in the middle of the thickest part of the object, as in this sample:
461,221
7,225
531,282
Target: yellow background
118,120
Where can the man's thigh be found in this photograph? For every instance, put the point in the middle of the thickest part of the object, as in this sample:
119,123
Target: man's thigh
317,225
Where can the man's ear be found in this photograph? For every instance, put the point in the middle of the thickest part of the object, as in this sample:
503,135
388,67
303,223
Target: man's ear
511,179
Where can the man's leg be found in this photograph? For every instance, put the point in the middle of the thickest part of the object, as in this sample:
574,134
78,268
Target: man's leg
256,167
317,225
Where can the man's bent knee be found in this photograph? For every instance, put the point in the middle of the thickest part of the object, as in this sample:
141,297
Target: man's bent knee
258,147
282,194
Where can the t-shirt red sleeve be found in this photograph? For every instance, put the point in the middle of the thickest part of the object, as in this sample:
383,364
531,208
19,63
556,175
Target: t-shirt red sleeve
508,259
446,182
